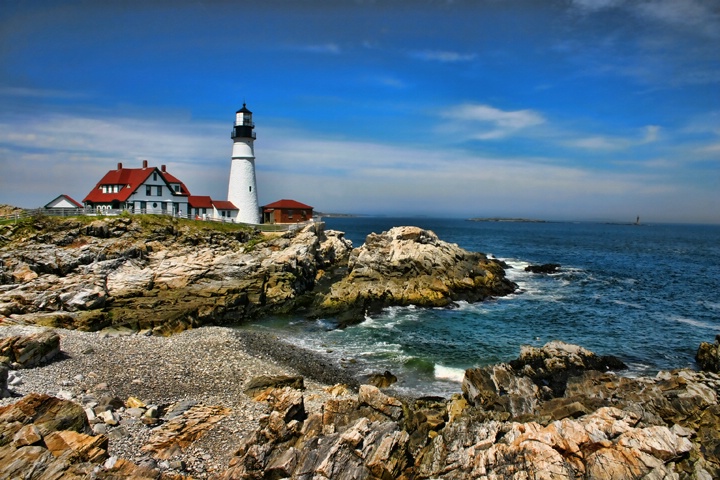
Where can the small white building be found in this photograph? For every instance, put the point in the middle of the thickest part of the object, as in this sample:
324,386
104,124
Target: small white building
62,202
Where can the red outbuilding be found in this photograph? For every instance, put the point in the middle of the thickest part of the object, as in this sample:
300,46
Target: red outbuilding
287,211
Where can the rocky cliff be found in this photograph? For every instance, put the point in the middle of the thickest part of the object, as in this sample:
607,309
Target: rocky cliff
165,275
155,273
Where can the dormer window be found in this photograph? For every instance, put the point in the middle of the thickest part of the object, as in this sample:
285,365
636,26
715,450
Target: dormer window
177,188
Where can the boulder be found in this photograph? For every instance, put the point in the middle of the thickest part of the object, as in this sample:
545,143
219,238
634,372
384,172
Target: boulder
27,351
545,268
258,385
551,365
382,380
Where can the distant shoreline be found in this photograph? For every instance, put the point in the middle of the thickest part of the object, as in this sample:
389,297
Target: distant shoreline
501,219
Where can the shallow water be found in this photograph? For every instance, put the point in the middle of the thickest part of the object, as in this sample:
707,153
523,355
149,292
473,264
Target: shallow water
647,294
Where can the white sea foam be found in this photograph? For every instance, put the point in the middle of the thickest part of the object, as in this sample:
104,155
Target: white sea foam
694,323
627,304
449,373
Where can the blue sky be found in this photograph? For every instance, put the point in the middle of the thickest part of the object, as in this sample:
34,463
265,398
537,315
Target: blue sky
559,110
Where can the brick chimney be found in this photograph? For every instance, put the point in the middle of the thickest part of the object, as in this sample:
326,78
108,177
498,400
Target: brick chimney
144,163
162,168
119,166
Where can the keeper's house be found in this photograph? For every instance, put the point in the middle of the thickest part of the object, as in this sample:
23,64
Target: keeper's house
287,211
155,191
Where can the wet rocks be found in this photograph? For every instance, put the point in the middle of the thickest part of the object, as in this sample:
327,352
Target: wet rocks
382,380
545,268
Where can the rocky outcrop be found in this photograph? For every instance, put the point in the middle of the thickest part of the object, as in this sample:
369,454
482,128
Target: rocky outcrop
708,356
157,273
411,266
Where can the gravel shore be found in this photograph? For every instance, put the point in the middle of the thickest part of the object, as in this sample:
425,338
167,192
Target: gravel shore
209,365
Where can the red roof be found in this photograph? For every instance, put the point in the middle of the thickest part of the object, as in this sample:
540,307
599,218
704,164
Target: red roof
284,203
173,179
200,201
129,179
224,205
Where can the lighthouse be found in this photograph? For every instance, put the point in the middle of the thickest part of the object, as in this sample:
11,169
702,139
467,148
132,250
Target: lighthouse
242,188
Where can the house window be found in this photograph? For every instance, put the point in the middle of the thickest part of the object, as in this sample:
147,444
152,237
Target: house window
143,206
154,177
290,213
177,188
148,191
104,188
163,206
159,191
115,188
154,204
204,211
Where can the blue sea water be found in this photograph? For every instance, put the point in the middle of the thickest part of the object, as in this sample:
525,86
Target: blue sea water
649,294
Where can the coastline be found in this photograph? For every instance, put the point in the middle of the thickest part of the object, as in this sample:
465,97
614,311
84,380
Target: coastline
209,365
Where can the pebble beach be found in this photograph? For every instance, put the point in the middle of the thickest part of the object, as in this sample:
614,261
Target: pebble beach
209,366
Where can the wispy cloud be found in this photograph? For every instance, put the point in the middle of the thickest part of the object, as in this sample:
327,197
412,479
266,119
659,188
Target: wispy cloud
484,122
650,134
443,56
40,93
326,48
700,16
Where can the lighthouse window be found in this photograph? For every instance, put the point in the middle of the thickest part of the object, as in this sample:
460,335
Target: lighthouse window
251,188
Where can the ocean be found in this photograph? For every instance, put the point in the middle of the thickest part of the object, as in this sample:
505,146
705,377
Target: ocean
648,294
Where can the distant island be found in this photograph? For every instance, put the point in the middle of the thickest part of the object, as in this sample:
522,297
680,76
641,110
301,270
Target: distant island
502,219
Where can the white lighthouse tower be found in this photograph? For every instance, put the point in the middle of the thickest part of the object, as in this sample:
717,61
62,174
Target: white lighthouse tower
242,188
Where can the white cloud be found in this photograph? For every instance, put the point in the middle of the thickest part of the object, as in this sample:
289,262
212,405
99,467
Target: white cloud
483,122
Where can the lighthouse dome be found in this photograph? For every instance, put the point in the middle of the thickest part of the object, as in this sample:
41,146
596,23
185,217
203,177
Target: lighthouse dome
244,109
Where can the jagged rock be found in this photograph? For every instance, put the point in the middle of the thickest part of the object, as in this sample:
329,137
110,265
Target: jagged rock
708,356
382,380
27,351
258,385
551,365
499,388
182,430
411,266
544,268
